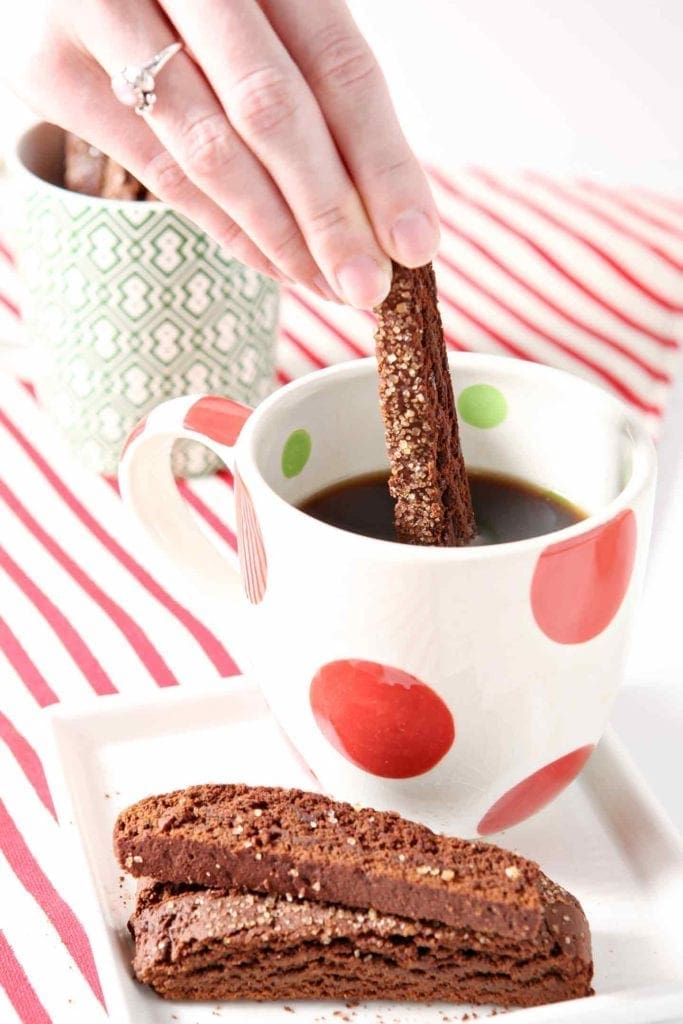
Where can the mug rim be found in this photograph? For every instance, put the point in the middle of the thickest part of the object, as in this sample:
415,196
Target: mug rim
643,473
18,168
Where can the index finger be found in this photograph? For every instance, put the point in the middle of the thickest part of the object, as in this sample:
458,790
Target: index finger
350,88
272,108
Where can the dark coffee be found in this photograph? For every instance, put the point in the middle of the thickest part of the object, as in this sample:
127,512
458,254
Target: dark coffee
505,508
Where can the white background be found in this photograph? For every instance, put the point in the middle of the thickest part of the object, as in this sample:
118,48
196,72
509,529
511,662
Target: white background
588,87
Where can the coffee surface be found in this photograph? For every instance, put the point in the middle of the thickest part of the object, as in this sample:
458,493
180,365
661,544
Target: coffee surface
505,508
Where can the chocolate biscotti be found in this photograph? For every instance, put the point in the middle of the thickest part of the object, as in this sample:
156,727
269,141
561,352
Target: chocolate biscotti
273,840
428,479
287,841
213,944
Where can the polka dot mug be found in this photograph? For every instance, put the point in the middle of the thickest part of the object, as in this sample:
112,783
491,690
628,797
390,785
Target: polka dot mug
464,687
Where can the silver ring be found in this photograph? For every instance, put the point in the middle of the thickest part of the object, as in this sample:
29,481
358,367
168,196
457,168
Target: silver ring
134,85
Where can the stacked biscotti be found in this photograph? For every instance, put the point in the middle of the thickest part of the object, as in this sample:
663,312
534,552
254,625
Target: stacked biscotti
266,893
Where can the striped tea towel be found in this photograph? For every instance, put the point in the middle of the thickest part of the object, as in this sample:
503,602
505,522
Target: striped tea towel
575,274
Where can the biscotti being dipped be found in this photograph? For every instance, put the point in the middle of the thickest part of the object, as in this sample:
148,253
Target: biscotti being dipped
428,479
265,893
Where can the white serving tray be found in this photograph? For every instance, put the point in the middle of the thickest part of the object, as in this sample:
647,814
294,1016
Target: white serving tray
605,839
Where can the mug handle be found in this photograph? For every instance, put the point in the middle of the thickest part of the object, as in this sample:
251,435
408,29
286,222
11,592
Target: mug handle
148,486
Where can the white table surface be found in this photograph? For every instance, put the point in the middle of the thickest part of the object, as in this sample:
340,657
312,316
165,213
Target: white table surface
509,86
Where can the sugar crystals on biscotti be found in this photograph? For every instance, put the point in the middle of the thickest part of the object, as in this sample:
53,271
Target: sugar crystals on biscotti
428,479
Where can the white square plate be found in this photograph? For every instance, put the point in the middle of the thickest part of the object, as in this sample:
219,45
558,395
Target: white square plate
605,839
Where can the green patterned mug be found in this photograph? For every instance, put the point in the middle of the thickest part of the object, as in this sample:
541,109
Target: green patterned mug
128,304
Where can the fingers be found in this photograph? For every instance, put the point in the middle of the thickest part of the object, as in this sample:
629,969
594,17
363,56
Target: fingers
272,108
192,127
115,130
352,94
190,123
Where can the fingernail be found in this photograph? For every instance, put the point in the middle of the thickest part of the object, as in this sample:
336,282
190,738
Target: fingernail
415,238
323,287
363,282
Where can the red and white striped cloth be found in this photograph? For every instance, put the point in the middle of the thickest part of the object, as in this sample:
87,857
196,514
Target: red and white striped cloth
574,274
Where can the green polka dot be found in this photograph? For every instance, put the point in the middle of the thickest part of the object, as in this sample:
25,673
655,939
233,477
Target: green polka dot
482,405
296,452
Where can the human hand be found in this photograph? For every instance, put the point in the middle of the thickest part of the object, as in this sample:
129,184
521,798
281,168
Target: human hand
273,129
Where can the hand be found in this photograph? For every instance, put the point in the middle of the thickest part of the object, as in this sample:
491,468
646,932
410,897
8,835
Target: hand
273,129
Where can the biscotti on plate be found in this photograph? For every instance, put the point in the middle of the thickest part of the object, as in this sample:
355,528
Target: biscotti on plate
289,841
267,893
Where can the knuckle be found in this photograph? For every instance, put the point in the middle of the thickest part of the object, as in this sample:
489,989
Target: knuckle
231,232
236,246
165,177
207,145
288,245
396,168
264,100
329,218
230,238
344,61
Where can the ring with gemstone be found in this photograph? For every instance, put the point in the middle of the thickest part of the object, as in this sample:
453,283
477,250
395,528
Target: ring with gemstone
134,85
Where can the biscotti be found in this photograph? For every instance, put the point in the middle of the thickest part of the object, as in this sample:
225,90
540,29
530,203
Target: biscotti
212,944
89,171
428,479
307,846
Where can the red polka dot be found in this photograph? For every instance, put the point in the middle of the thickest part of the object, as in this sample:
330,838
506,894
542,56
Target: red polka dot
135,432
221,419
382,719
250,546
529,796
579,584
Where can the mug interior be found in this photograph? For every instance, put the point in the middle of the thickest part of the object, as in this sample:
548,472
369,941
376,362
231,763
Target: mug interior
41,152
556,432
38,161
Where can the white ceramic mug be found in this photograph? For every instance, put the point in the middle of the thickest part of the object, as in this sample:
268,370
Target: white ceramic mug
464,687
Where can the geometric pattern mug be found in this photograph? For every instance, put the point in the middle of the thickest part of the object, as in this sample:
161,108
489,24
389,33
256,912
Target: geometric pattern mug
128,304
